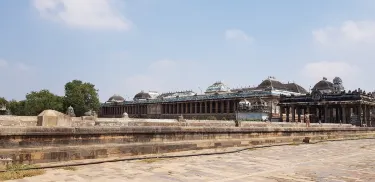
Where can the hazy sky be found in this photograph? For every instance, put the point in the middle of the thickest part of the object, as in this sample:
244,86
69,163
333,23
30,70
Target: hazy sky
125,46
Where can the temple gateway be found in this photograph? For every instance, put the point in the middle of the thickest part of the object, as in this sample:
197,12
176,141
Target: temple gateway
328,102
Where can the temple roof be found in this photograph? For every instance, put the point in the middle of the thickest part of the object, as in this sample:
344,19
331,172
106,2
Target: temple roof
177,94
324,84
116,98
217,87
142,96
271,82
293,87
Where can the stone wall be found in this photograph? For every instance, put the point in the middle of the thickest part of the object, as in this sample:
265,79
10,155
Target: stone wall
18,120
14,121
44,144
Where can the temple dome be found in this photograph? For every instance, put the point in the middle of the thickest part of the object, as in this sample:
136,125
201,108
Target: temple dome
293,87
217,87
116,98
142,96
324,85
271,82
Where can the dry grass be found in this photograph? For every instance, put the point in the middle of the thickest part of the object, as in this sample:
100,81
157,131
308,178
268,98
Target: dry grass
19,171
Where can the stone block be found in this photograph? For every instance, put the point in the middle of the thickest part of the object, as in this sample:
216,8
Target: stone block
53,118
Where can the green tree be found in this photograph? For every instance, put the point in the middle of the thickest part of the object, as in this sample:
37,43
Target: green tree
81,96
36,102
17,108
3,101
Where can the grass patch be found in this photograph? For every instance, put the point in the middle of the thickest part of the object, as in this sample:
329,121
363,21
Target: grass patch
295,143
152,160
69,168
19,171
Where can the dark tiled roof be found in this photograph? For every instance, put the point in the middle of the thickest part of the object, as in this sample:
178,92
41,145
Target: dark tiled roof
142,95
323,85
293,87
116,98
269,83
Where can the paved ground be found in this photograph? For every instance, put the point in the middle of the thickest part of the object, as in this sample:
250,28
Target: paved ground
332,161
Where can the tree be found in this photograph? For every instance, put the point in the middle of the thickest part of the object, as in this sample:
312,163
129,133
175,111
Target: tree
81,96
36,102
3,101
17,108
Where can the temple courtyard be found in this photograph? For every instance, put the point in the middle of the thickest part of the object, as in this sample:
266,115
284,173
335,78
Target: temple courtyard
329,161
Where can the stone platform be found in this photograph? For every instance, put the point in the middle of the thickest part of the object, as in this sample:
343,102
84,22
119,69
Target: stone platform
56,144
343,161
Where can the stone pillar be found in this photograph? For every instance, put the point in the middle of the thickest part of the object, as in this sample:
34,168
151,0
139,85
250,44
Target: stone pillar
337,115
191,108
200,107
364,114
344,110
228,106
293,114
307,114
281,113
216,107
287,114
359,111
210,106
222,110
195,107
331,119
369,116
299,114
326,112
205,107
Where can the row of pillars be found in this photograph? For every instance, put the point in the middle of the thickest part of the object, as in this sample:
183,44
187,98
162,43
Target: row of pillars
328,114
225,106
119,110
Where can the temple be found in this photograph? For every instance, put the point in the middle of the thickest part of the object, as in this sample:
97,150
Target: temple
271,100
328,102
217,102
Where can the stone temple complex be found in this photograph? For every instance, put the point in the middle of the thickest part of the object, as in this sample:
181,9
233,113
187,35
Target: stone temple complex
218,102
329,103
272,100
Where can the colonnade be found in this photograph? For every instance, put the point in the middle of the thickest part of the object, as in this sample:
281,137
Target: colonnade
200,107
197,107
328,113
121,109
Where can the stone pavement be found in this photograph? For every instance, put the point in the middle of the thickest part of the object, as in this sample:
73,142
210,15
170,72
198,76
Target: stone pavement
330,161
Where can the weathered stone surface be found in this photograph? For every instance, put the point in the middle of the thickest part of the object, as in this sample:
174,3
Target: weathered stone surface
6,120
53,118
307,163
49,144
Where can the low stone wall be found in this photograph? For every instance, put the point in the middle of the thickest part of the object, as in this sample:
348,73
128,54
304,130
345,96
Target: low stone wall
43,144
26,121
170,123
18,120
